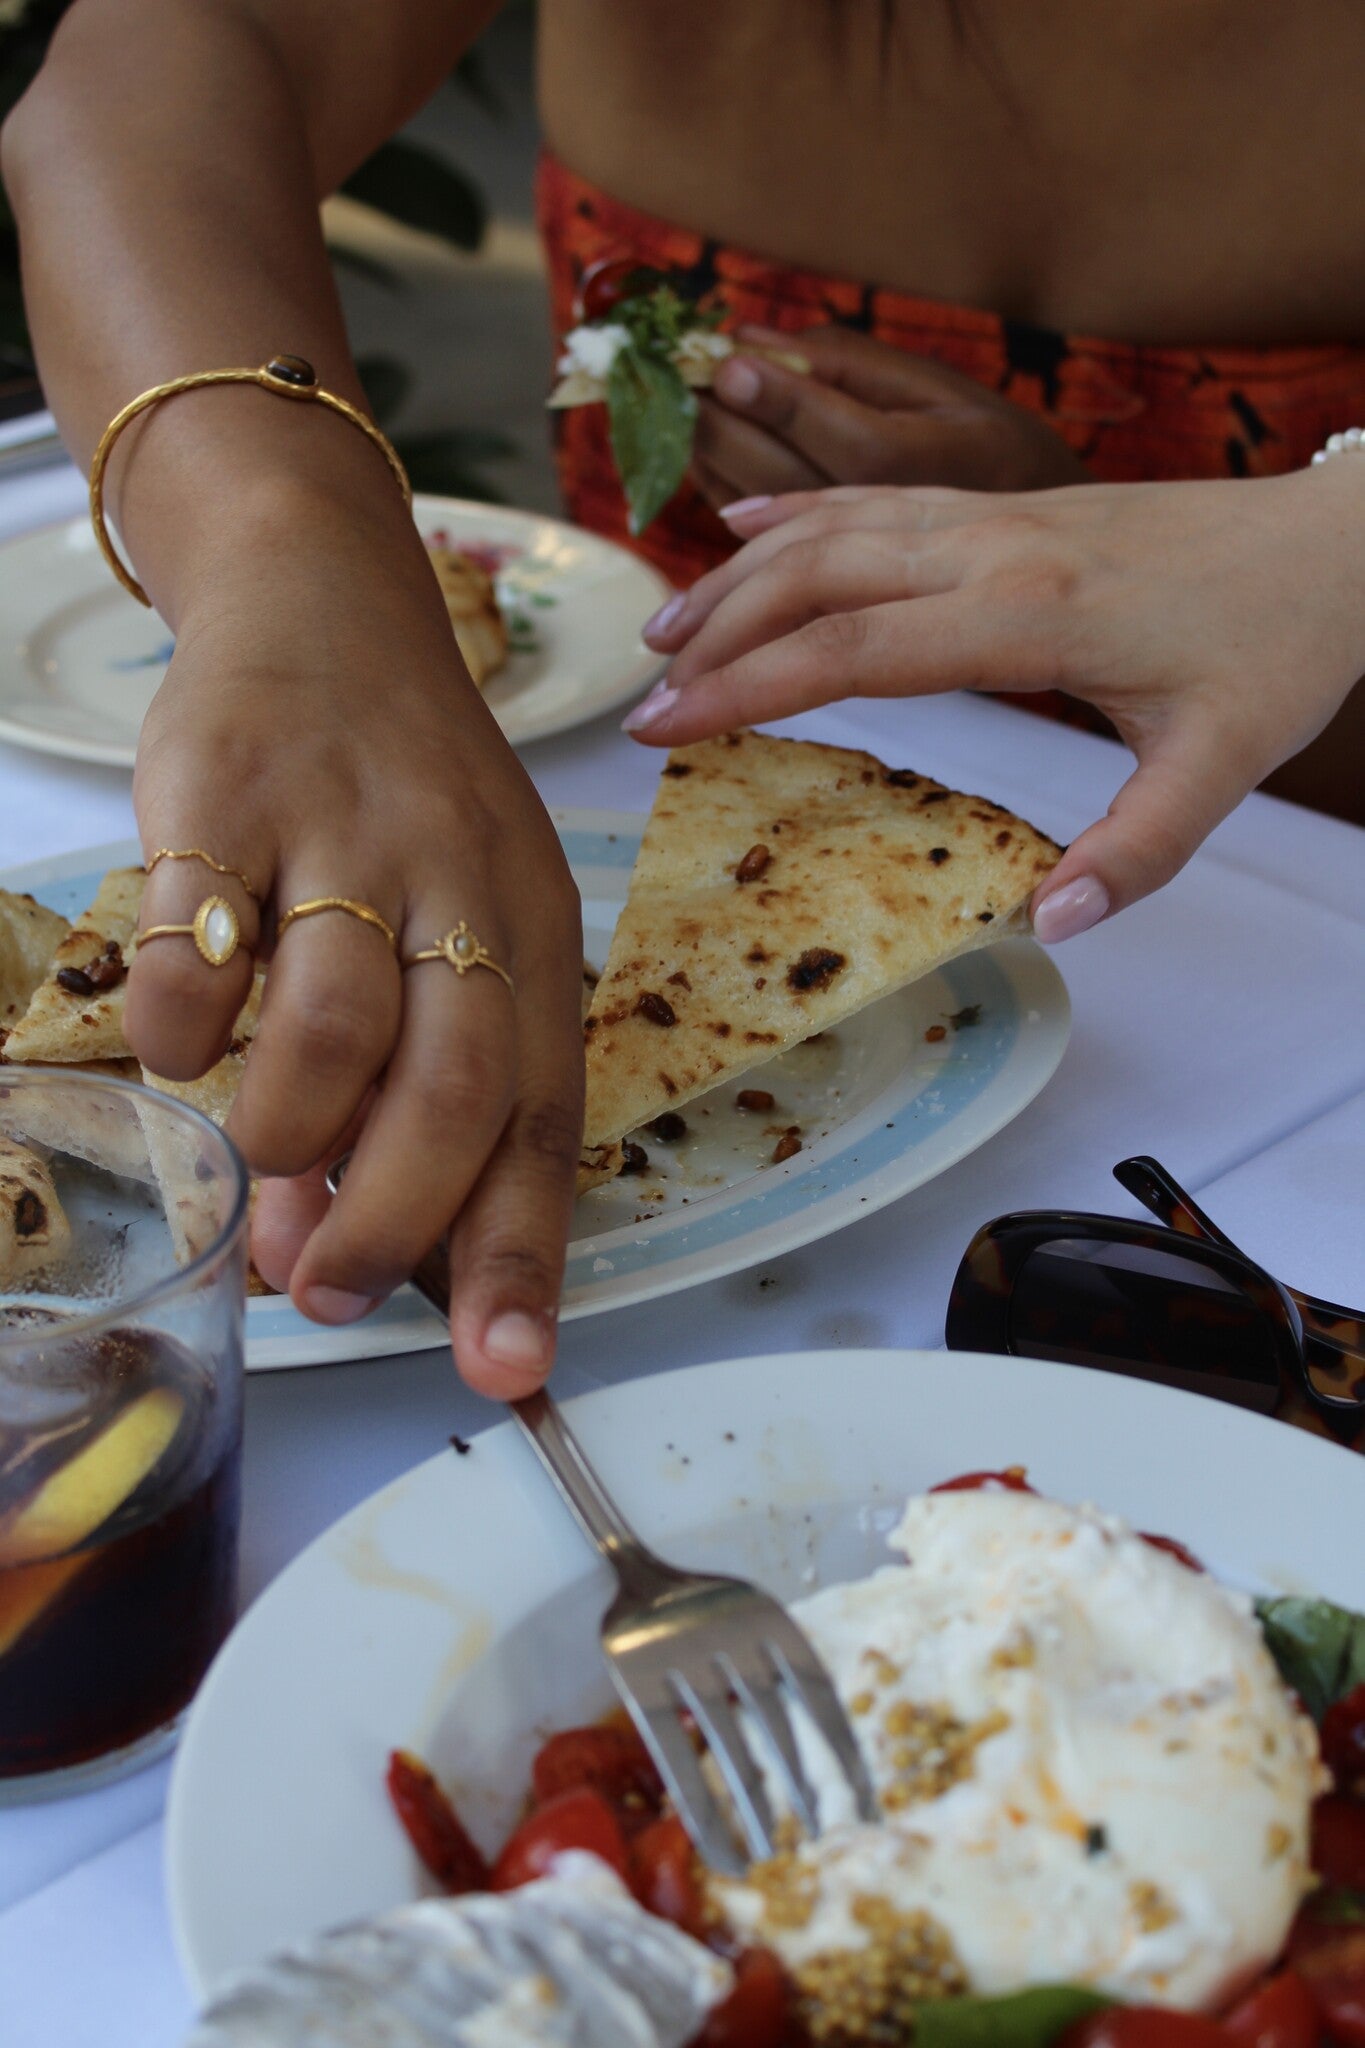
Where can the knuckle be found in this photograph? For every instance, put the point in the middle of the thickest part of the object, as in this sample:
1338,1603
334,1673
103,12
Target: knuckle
550,1134
512,1268
836,637
461,1087
333,1034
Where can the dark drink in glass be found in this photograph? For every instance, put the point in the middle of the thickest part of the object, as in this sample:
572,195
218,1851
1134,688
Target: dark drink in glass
120,1429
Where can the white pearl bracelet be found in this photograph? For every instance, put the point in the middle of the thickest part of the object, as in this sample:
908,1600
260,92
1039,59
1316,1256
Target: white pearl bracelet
1352,442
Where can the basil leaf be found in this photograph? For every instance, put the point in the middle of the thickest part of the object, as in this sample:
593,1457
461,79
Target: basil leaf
1320,1648
1337,1907
651,414
1021,2019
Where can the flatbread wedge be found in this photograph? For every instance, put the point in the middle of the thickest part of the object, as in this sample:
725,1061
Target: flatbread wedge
781,886
193,1218
30,934
34,1232
76,1013
104,1129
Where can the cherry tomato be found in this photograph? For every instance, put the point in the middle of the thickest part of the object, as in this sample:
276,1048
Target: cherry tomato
575,1820
433,1826
1343,1738
1281,2014
1338,1852
1329,1954
758,2012
1174,1548
603,285
609,1759
664,1875
1014,1479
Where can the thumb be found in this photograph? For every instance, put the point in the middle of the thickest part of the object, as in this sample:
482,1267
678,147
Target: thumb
1184,784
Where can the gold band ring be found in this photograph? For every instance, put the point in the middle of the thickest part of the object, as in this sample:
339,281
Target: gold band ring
462,951
317,904
197,853
215,931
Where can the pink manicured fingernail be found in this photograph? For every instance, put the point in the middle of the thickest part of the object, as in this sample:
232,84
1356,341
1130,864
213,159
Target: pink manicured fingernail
743,505
657,705
518,1340
738,381
664,617
335,1305
1070,910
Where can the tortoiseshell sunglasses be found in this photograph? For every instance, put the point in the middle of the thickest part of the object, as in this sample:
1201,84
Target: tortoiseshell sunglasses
1177,1303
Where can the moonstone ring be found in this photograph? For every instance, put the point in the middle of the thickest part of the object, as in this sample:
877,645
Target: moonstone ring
461,950
215,931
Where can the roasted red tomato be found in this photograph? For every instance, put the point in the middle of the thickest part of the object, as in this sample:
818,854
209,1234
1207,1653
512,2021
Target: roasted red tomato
1327,1949
1144,2026
1282,2014
609,1759
758,2013
575,1820
1343,1738
433,1826
664,1875
1338,1852
1174,1548
1014,1479
603,285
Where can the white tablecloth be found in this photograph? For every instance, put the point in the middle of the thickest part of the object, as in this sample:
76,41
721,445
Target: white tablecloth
1218,1026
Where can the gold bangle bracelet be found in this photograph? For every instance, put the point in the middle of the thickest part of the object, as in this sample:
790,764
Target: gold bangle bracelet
286,376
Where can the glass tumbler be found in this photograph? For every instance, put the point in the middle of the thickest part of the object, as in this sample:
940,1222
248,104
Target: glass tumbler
122,1290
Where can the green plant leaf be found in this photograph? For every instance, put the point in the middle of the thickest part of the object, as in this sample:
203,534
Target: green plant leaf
1020,2019
421,189
386,383
1320,1648
652,416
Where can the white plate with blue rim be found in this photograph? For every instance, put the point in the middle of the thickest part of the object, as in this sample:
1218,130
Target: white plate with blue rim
880,1105
81,660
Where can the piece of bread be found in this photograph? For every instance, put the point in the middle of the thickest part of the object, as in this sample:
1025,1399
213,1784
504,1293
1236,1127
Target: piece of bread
193,1219
472,602
103,1129
76,1012
34,1232
30,934
779,887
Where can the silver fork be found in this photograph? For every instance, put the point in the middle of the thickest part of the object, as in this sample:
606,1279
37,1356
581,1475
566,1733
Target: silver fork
694,1641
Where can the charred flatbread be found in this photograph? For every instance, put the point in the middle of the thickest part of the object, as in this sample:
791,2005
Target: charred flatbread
781,886
30,934
34,1232
76,1013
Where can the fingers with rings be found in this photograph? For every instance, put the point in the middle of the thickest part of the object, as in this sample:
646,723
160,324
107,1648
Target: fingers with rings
330,1017
191,972
447,1094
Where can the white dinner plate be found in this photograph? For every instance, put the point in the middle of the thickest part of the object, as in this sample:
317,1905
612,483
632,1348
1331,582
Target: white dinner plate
80,660
456,1611
881,1109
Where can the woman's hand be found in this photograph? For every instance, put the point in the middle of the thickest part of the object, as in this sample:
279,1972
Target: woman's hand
1218,625
866,414
317,730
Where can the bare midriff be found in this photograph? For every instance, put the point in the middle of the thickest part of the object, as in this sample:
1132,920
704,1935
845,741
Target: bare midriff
1170,171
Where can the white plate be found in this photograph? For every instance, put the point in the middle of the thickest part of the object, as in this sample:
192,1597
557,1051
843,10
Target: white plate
456,1611
881,1111
80,660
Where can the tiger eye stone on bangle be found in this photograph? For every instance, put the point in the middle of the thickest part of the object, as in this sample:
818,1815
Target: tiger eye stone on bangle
291,370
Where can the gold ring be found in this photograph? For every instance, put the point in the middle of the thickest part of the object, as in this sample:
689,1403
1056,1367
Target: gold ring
198,853
215,931
317,904
462,951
